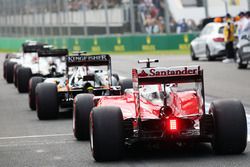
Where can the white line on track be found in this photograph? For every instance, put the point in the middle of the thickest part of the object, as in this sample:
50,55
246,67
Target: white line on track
36,136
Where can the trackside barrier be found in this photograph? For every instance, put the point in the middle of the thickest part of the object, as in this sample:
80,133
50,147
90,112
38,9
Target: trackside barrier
115,43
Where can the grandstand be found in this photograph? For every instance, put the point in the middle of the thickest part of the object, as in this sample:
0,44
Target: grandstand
93,17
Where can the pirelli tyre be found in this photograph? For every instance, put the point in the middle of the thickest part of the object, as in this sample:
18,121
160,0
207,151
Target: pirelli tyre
32,91
125,84
106,133
16,68
5,68
230,127
46,101
10,71
23,76
83,104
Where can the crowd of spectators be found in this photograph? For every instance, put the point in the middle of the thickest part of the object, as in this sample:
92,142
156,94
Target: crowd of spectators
151,14
75,5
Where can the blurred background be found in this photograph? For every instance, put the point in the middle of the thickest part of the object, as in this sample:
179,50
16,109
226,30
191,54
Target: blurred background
92,17
110,25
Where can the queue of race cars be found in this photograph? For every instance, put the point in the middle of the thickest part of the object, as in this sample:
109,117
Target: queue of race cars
159,104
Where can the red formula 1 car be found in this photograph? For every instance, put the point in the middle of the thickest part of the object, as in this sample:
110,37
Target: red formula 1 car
167,105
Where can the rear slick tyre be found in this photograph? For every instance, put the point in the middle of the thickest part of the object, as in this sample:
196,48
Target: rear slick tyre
34,81
23,76
125,84
83,105
106,133
46,101
16,68
230,127
10,71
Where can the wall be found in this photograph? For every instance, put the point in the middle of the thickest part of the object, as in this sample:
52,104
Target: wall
127,43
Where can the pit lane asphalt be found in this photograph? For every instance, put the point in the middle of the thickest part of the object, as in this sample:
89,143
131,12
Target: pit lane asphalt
26,141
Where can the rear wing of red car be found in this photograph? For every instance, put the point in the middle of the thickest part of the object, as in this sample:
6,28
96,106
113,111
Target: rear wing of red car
167,75
52,52
158,75
88,60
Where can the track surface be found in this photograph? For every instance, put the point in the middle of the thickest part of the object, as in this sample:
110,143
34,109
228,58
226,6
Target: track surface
26,141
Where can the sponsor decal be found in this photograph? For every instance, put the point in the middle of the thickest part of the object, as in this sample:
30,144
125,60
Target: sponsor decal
119,47
95,47
78,59
148,46
165,72
76,46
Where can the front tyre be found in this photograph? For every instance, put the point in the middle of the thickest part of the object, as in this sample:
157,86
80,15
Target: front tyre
230,127
47,101
83,104
106,133
23,76
125,84
16,68
34,81
5,68
10,71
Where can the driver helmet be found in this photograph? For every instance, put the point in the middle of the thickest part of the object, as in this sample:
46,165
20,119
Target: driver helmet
90,89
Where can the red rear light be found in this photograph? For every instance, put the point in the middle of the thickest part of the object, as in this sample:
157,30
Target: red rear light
172,125
218,39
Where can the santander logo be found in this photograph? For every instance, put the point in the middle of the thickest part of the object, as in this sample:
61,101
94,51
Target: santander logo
143,74
164,72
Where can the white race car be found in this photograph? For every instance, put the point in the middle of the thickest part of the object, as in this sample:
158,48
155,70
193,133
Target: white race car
33,65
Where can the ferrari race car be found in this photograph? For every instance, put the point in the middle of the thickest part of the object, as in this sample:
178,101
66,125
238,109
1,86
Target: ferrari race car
57,69
243,51
167,105
80,78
